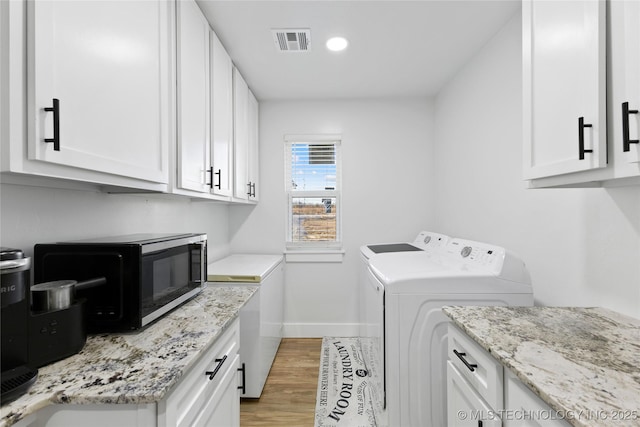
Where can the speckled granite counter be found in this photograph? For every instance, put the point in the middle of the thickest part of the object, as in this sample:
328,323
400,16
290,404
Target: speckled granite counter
134,367
575,359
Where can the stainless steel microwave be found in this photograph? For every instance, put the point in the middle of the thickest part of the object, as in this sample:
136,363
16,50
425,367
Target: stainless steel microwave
147,275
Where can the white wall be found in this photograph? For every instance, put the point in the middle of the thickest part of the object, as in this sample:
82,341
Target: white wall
31,215
387,196
582,246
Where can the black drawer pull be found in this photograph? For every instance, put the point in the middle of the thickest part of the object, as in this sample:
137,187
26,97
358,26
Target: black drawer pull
581,126
56,124
219,184
626,141
472,367
219,362
244,379
210,172
249,193
253,189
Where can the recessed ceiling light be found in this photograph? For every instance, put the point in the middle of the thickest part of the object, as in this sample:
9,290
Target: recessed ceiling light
337,44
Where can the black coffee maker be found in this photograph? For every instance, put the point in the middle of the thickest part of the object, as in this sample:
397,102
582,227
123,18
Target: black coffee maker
17,376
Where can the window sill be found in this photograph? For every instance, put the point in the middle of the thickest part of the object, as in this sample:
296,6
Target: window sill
314,255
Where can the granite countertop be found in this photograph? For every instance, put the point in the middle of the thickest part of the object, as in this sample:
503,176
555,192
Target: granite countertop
584,362
138,367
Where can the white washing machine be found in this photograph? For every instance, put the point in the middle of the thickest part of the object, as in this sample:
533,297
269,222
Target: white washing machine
429,245
261,318
426,242
408,339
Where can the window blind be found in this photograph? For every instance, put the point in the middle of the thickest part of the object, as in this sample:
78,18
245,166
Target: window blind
312,166
312,183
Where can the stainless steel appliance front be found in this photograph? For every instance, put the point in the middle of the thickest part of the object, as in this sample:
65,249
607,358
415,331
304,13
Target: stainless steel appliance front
147,275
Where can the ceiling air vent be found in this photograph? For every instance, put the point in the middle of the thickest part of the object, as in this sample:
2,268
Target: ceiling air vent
292,40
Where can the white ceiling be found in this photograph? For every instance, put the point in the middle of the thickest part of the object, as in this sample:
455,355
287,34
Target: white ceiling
396,48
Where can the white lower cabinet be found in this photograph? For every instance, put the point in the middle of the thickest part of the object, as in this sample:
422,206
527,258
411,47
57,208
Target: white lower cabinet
223,407
527,409
207,395
141,415
464,405
482,393
474,384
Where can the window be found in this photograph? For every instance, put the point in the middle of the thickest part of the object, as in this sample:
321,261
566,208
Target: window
312,183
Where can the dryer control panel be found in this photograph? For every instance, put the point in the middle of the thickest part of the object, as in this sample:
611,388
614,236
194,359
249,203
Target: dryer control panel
478,254
490,258
428,240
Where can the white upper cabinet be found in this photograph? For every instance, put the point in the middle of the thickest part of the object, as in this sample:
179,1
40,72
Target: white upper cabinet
564,87
246,140
242,187
253,129
222,116
622,61
193,57
625,85
98,88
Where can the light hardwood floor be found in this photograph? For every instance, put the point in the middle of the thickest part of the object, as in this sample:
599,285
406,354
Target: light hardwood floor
289,395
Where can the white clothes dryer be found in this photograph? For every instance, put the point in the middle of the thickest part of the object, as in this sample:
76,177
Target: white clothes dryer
407,351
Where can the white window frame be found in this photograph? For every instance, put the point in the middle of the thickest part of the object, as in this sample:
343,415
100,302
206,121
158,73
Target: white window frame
295,249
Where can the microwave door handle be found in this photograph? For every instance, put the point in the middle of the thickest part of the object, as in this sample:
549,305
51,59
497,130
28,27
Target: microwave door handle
203,261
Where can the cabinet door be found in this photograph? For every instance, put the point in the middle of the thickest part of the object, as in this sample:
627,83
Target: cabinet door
520,401
107,64
222,116
254,139
193,97
564,87
627,63
223,409
465,408
206,388
241,136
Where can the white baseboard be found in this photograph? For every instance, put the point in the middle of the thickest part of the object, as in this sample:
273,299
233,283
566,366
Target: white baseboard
319,330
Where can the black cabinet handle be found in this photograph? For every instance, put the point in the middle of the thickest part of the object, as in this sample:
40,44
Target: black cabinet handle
210,172
472,367
581,126
626,141
219,184
479,423
219,362
244,379
56,124
252,189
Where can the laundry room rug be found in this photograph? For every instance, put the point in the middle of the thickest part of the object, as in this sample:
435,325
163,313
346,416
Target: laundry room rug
344,386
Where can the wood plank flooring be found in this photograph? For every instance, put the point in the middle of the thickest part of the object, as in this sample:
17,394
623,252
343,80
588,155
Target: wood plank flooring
289,395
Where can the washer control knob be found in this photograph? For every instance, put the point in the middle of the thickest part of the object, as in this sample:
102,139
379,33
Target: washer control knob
427,239
466,251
